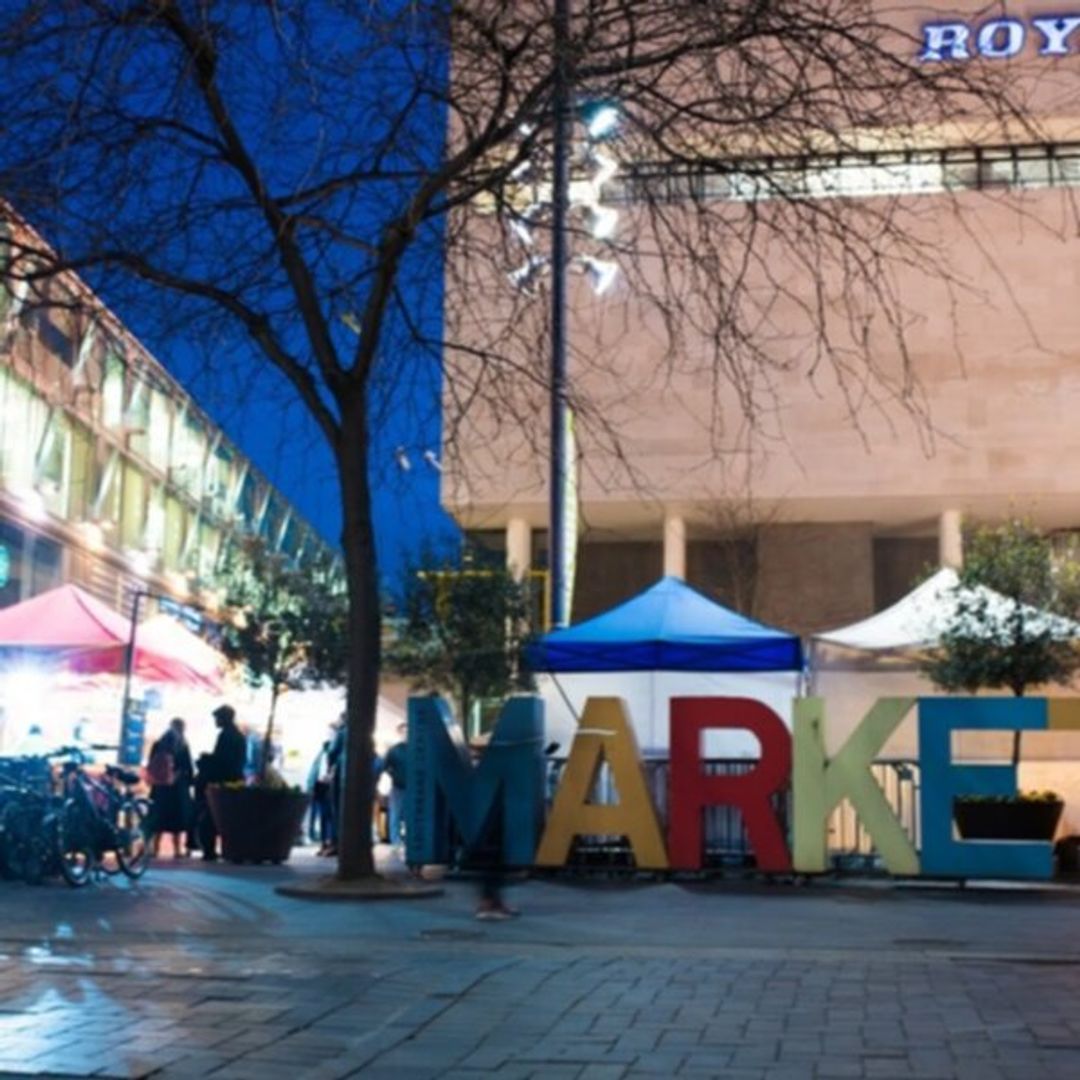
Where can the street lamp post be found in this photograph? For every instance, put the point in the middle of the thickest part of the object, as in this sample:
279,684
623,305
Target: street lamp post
128,729
126,734
558,549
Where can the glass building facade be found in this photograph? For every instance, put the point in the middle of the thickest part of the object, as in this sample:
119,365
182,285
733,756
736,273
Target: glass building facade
111,477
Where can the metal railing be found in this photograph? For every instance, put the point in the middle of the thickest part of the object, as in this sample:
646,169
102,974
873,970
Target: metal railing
725,837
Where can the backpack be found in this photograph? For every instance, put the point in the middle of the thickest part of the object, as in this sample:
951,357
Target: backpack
161,768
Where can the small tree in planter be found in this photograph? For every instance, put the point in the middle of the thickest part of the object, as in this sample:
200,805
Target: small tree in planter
287,631
1020,634
463,631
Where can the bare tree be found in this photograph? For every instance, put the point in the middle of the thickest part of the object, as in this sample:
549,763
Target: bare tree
302,168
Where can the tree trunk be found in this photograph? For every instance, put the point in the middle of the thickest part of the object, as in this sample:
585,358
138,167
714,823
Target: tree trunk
355,856
1017,734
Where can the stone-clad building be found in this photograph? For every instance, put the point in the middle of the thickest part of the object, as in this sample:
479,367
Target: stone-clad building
831,507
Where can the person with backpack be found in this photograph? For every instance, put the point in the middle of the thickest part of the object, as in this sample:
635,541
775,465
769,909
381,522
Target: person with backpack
170,772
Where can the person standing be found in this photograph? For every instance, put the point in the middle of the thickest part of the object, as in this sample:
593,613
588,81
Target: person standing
335,778
320,820
170,773
396,765
225,765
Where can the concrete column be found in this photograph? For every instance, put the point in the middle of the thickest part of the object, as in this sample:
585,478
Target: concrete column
951,539
518,547
674,545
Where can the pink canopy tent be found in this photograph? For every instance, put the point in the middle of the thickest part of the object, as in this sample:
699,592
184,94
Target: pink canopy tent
78,632
164,635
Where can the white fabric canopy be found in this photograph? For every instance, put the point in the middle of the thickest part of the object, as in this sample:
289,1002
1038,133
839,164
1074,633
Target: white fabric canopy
854,666
917,620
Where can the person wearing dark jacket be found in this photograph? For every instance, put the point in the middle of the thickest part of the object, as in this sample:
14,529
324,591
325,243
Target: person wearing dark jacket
225,765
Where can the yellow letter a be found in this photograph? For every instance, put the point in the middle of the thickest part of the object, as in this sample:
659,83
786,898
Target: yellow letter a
604,734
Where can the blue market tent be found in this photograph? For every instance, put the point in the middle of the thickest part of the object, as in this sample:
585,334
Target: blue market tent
668,627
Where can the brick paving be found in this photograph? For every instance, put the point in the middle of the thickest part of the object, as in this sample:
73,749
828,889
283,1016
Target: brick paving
198,974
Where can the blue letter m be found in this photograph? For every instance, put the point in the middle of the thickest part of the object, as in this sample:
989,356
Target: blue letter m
444,791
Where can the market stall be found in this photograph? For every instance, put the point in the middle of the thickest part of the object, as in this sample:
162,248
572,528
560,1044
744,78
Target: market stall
63,656
852,666
668,641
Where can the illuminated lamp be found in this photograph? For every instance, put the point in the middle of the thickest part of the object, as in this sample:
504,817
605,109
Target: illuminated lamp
601,121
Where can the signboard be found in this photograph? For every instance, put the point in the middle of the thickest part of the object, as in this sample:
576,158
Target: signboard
505,785
132,733
1000,38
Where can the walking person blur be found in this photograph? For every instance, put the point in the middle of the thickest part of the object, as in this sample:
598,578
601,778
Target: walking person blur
170,773
485,855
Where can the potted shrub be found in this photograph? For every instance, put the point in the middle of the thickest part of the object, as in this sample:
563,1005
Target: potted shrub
258,822
1028,815
286,630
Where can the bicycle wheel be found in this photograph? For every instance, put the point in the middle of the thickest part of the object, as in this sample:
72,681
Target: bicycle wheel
73,844
133,839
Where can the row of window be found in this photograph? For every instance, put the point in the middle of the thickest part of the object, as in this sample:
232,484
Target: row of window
58,466
852,175
136,405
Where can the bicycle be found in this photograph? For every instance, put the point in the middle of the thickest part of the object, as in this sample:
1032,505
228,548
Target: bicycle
99,818
27,819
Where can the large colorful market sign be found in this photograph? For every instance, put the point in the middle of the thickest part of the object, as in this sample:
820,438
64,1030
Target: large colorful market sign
507,787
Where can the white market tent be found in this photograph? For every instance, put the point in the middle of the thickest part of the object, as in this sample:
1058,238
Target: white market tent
854,665
916,621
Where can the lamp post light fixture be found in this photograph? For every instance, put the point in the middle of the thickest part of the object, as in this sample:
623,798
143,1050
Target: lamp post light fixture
561,195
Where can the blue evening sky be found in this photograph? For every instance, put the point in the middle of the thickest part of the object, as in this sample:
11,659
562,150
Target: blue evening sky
288,448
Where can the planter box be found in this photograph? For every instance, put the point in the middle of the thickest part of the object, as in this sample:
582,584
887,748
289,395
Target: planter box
1007,821
256,825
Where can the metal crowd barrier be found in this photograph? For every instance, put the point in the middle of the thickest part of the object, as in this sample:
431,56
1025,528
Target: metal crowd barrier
726,841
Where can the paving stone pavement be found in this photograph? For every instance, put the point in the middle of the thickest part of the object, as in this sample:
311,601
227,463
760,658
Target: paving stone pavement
194,974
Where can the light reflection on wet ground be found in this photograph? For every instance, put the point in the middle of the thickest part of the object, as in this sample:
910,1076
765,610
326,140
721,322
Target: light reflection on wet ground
209,973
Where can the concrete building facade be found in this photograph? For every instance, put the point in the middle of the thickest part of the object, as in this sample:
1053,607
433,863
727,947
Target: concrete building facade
854,475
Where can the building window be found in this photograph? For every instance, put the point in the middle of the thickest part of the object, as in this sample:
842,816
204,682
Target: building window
45,565
112,393
51,327
159,435
52,473
25,416
852,175
11,563
189,452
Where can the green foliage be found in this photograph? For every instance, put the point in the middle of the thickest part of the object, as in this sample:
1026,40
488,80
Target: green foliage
1009,641
463,631
1012,800
288,624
